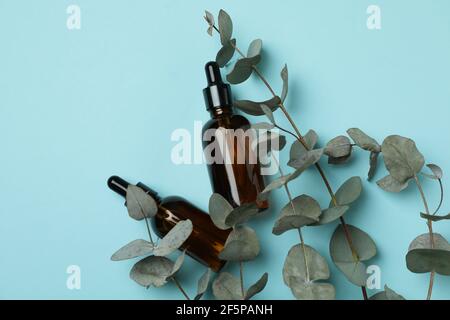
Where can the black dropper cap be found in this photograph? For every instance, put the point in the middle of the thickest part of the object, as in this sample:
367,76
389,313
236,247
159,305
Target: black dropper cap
119,185
218,93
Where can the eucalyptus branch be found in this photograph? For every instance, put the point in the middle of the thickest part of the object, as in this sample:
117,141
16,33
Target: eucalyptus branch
299,137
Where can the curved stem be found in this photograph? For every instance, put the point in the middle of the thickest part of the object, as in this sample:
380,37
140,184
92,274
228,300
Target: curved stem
181,288
430,231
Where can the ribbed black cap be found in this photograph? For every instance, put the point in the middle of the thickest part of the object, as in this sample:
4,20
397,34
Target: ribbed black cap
218,93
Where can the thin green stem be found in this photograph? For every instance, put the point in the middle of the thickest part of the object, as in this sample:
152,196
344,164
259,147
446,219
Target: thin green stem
181,288
148,230
430,231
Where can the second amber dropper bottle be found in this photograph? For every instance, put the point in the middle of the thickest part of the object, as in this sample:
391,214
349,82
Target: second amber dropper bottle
206,240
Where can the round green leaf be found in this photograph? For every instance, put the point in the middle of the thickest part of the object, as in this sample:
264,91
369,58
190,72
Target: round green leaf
298,149
331,214
225,27
306,160
303,211
241,214
342,256
339,147
178,263
421,258
401,157
242,245
227,287
226,53
219,209
152,271
140,205
254,48
134,249
363,140
202,284
436,170
242,70
349,192
254,108
390,184
174,238
301,281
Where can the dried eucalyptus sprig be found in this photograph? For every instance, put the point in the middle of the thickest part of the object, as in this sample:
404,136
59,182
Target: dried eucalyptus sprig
242,245
430,252
156,269
348,255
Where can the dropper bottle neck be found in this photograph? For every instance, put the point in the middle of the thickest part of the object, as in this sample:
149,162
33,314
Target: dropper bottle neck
120,186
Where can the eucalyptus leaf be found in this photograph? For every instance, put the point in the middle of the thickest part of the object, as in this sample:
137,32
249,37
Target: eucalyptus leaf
302,211
134,249
422,258
209,17
298,149
140,205
436,170
242,245
331,214
203,283
363,141
227,287
225,27
254,108
373,162
435,218
349,192
387,294
254,48
282,181
226,53
242,69
152,271
300,275
241,214
270,141
178,263
268,112
285,77
306,160
174,238
338,147
401,157
390,184
257,287
341,253
219,209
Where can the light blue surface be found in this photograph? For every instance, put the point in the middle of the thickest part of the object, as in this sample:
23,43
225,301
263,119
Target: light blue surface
78,106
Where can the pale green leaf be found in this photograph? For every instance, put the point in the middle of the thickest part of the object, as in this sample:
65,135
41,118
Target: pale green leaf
202,284
225,27
257,287
302,211
242,245
226,53
390,184
363,141
254,108
227,287
134,249
140,205
152,271
219,209
174,238
254,48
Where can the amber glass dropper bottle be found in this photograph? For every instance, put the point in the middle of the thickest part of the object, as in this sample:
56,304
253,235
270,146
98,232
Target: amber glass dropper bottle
234,170
206,241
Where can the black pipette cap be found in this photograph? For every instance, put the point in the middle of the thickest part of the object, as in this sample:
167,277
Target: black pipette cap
218,93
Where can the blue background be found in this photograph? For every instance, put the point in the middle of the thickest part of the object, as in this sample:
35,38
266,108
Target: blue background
79,106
